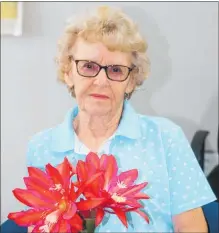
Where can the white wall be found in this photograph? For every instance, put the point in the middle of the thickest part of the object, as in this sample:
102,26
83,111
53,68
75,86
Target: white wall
183,47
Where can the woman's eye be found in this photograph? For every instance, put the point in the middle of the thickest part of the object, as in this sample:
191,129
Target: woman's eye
89,65
116,70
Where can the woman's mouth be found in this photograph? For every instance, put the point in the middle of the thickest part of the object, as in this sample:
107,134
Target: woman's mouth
99,96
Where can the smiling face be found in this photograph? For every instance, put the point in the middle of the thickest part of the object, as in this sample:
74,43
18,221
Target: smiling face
99,95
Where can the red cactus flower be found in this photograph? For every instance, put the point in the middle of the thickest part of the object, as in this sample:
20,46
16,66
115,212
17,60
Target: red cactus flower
53,200
120,193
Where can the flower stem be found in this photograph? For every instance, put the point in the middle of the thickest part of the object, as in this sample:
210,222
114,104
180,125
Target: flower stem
90,225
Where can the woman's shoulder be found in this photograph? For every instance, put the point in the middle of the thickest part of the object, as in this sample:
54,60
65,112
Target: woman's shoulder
41,138
39,148
164,129
51,135
157,123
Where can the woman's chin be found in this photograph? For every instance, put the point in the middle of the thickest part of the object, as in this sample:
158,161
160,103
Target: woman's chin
98,110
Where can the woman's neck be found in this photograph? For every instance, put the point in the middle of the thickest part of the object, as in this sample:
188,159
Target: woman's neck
94,130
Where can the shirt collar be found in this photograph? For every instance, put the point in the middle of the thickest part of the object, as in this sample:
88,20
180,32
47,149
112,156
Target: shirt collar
63,135
129,125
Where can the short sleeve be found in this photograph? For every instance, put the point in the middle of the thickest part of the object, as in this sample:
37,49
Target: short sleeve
188,185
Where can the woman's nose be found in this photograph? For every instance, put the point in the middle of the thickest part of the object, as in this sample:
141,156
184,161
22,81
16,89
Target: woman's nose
101,79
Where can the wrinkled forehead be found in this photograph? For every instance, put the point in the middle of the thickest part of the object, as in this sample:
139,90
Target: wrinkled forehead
99,53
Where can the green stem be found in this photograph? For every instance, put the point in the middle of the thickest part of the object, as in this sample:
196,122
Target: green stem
90,225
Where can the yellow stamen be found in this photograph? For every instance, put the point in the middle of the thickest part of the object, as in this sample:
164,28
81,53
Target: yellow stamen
117,198
62,205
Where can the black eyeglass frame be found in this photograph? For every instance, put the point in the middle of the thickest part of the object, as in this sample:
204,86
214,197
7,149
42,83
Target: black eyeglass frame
102,67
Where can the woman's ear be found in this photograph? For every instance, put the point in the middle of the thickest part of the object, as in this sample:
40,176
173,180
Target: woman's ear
69,79
131,85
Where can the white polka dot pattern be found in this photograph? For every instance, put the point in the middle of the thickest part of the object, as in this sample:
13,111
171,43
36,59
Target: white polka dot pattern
185,174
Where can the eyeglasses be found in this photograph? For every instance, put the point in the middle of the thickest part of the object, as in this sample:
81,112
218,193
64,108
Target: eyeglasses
90,69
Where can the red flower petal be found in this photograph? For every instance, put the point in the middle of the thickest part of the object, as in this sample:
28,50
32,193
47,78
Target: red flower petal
29,198
121,215
54,174
141,196
96,186
103,162
33,183
110,170
92,161
113,188
93,178
130,191
76,183
99,216
143,215
89,204
81,171
76,223
66,170
70,212
132,203
28,218
72,194
89,194
15,215
87,184
40,175
128,177
64,226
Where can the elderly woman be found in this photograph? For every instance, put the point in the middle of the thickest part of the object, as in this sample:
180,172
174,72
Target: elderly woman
102,59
